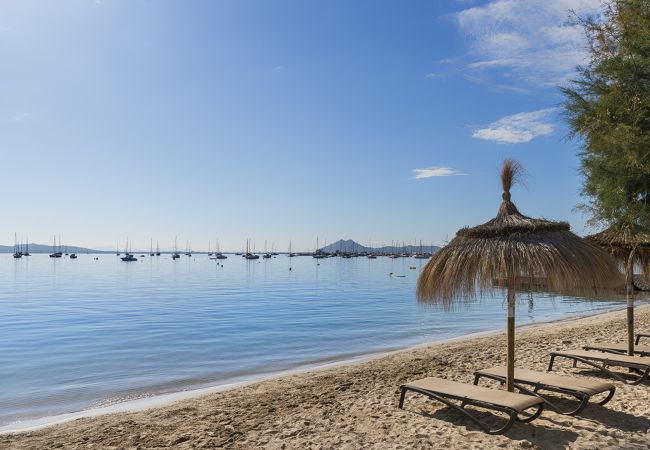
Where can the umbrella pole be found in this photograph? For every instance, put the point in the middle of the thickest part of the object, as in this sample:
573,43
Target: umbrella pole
511,337
629,283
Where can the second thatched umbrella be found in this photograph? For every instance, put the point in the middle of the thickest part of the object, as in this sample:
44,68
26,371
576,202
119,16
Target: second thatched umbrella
630,246
521,250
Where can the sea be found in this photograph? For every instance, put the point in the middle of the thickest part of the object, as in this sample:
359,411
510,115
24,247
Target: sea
81,334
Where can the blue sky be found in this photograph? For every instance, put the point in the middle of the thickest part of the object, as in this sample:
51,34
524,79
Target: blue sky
281,119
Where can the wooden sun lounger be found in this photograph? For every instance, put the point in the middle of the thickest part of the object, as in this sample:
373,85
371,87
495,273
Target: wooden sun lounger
446,391
580,388
638,336
621,349
636,363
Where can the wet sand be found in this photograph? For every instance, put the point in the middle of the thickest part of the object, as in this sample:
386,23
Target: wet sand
355,406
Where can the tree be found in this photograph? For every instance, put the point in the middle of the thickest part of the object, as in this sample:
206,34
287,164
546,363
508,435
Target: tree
608,108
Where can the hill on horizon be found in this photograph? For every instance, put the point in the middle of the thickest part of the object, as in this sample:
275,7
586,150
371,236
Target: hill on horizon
352,246
41,248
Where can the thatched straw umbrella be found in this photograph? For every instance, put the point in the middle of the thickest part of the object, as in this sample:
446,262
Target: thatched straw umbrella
630,246
520,249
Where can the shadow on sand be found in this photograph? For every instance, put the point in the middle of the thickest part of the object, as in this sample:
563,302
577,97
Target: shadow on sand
535,432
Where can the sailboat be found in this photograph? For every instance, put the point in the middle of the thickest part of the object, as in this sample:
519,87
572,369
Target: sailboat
371,254
157,249
127,253
53,254
267,255
218,254
117,248
56,251
318,254
17,252
188,248
290,255
151,247
248,254
421,254
209,250
26,252
175,255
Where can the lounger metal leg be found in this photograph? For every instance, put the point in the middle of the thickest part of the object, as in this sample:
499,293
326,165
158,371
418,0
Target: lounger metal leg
608,398
535,415
401,398
550,364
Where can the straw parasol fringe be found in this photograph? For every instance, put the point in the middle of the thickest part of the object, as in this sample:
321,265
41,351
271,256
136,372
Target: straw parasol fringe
620,240
630,246
517,246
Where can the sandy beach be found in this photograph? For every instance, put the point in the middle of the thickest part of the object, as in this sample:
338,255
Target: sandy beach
355,406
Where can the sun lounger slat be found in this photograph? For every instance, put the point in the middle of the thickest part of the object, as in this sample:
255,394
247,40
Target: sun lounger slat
638,363
531,382
506,402
641,350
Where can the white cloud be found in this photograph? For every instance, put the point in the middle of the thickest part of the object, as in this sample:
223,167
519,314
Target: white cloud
435,172
526,40
279,68
21,117
518,128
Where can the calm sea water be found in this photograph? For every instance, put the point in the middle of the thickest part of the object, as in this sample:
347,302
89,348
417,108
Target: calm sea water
76,334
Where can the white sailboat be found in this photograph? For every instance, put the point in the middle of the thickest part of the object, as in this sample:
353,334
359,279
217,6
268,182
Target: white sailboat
175,255
17,252
318,253
248,254
128,257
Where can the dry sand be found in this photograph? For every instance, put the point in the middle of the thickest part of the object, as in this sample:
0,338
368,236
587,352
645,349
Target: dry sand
355,406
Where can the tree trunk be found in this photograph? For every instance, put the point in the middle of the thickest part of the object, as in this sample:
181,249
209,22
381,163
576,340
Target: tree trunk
629,287
510,362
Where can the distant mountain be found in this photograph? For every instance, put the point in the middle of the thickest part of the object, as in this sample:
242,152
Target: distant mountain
40,248
354,247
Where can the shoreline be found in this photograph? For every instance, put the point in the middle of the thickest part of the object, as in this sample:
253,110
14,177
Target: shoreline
156,401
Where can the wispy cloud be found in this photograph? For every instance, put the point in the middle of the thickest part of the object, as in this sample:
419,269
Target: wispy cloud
429,172
518,128
21,117
530,41
279,68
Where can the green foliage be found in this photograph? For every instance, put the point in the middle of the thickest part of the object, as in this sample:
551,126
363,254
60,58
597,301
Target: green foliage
608,108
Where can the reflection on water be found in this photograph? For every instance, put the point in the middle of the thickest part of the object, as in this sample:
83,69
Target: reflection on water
85,332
